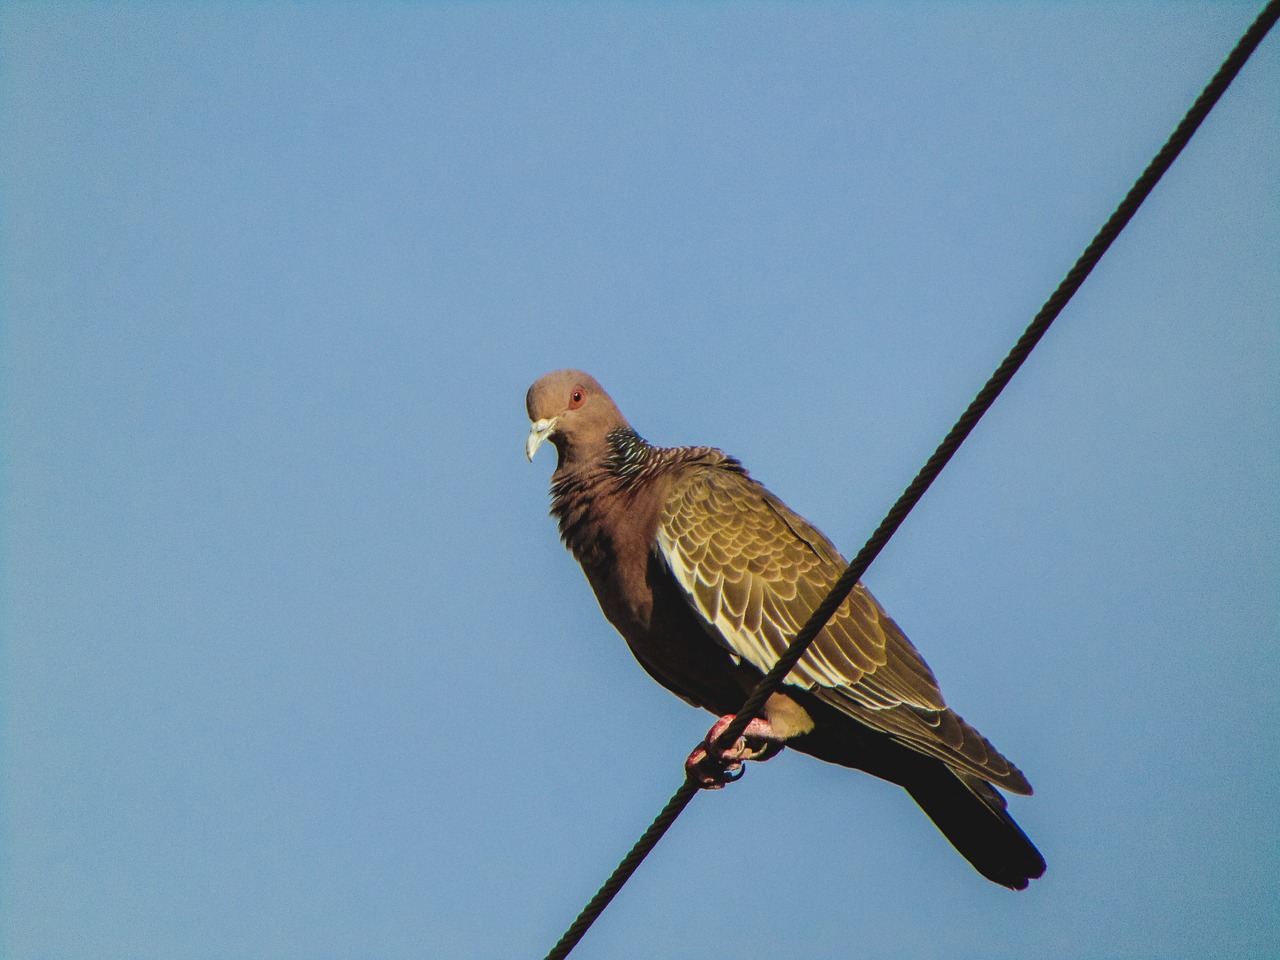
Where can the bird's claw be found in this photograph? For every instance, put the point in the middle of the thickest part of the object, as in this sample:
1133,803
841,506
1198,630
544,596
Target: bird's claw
710,772
711,767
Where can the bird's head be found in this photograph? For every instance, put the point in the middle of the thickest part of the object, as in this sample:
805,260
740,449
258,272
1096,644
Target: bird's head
571,410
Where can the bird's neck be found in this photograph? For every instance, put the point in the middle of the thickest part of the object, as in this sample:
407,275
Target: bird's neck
592,498
629,454
621,454
610,503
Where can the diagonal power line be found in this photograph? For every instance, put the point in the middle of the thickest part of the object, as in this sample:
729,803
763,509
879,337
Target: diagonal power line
928,473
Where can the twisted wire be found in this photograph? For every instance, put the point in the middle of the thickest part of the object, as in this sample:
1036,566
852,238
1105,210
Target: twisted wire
929,472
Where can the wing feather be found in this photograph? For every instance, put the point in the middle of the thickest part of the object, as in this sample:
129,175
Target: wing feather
755,570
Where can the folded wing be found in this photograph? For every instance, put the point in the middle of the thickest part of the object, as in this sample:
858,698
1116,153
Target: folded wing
754,571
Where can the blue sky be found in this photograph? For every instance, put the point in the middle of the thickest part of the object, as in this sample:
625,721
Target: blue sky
294,664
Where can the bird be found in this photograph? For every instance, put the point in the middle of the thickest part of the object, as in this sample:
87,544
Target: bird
708,576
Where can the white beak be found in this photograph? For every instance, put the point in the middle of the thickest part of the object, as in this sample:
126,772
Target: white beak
539,432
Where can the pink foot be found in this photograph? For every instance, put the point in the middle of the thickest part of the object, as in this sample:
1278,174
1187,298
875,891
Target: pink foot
711,766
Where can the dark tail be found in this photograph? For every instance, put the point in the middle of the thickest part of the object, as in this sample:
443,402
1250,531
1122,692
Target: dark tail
971,814
969,811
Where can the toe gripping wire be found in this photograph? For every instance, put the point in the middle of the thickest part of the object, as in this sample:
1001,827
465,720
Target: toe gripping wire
911,496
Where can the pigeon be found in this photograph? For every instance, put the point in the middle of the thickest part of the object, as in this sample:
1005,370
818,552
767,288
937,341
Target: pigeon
708,576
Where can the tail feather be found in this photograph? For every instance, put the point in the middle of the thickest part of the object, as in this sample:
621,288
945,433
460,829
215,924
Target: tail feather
971,814
968,810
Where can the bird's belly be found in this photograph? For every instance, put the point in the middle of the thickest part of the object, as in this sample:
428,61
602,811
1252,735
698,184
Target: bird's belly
668,639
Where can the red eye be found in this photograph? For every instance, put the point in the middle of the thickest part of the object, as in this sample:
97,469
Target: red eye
576,398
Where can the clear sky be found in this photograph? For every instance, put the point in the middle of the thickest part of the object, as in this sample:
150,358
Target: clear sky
294,663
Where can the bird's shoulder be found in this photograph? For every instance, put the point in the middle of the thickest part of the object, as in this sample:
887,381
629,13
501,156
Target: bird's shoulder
722,519
755,569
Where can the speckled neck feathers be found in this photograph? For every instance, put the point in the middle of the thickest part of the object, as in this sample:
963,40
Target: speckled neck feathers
622,493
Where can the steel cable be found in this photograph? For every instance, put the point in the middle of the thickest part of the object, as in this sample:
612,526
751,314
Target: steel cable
929,472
